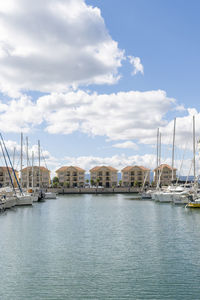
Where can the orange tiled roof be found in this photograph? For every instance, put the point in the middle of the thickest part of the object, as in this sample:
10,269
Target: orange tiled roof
128,168
164,166
36,167
97,168
65,168
5,169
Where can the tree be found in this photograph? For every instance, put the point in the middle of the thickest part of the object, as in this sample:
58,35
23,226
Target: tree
97,182
55,179
136,183
120,183
55,182
66,184
92,182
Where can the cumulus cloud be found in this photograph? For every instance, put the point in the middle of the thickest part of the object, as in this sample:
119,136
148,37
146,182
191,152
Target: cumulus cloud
126,145
129,117
52,45
116,161
121,116
137,65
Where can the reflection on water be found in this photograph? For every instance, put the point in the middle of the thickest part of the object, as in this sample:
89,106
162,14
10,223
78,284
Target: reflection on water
100,247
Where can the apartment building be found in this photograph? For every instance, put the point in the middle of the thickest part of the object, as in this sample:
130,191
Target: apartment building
71,176
164,172
135,176
5,178
31,179
104,176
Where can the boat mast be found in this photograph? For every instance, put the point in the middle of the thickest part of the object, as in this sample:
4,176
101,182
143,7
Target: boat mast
194,149
32,167
173,149
27,170
7,168
21,159
160,149
14,157
39,160
157,154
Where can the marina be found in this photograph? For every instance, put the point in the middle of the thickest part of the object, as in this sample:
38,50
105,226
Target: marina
97,247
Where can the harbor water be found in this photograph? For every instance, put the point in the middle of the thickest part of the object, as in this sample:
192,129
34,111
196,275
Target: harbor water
100,247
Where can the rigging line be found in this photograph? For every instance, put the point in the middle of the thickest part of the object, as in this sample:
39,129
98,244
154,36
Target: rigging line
11,163
7,168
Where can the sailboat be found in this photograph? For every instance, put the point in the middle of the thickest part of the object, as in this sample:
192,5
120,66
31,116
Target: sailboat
22,198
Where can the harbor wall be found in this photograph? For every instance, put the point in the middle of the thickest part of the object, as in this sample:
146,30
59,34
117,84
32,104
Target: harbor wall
93,190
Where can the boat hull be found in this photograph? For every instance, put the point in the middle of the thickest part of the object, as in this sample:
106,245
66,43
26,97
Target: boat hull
24,200
50,196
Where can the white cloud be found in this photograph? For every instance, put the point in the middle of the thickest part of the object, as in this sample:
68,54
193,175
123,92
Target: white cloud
125,116
130,115
126,145
116,161
137,65
122,116
53,45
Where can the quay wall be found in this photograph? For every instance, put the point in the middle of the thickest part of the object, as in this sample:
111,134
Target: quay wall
93,190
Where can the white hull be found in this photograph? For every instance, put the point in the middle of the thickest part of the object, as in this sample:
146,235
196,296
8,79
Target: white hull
35,198
165,197
10,202
24,200
50,195
155,196
180,200
144,197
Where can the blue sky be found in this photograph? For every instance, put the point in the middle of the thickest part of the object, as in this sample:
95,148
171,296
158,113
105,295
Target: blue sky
65,55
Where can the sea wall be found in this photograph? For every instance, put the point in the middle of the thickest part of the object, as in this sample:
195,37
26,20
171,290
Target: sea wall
93,190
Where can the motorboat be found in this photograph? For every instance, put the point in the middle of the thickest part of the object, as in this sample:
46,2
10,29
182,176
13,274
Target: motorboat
194,204
50,195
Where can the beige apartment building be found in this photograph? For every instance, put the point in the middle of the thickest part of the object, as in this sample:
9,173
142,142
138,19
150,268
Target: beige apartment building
135,175
71,176
164,172
103,176
5,179
30,180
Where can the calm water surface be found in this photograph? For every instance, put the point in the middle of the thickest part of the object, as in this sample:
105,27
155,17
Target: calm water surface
100,247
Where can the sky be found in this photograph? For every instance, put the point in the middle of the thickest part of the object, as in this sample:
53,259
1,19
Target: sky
93,80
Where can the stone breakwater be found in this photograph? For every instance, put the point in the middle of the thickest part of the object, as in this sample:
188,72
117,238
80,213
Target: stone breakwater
94,190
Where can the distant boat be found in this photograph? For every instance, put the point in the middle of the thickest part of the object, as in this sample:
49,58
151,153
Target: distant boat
194,204
50,195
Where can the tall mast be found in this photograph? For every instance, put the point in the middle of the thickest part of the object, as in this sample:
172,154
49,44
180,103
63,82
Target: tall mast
194,148
39,160
173,149
27,170
14,157
157,152
21,159
157,155
160,149
32,168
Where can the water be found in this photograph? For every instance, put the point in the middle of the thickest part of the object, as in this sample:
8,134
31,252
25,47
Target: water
100,247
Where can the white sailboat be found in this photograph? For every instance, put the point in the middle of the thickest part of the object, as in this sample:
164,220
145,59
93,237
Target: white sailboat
23,198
